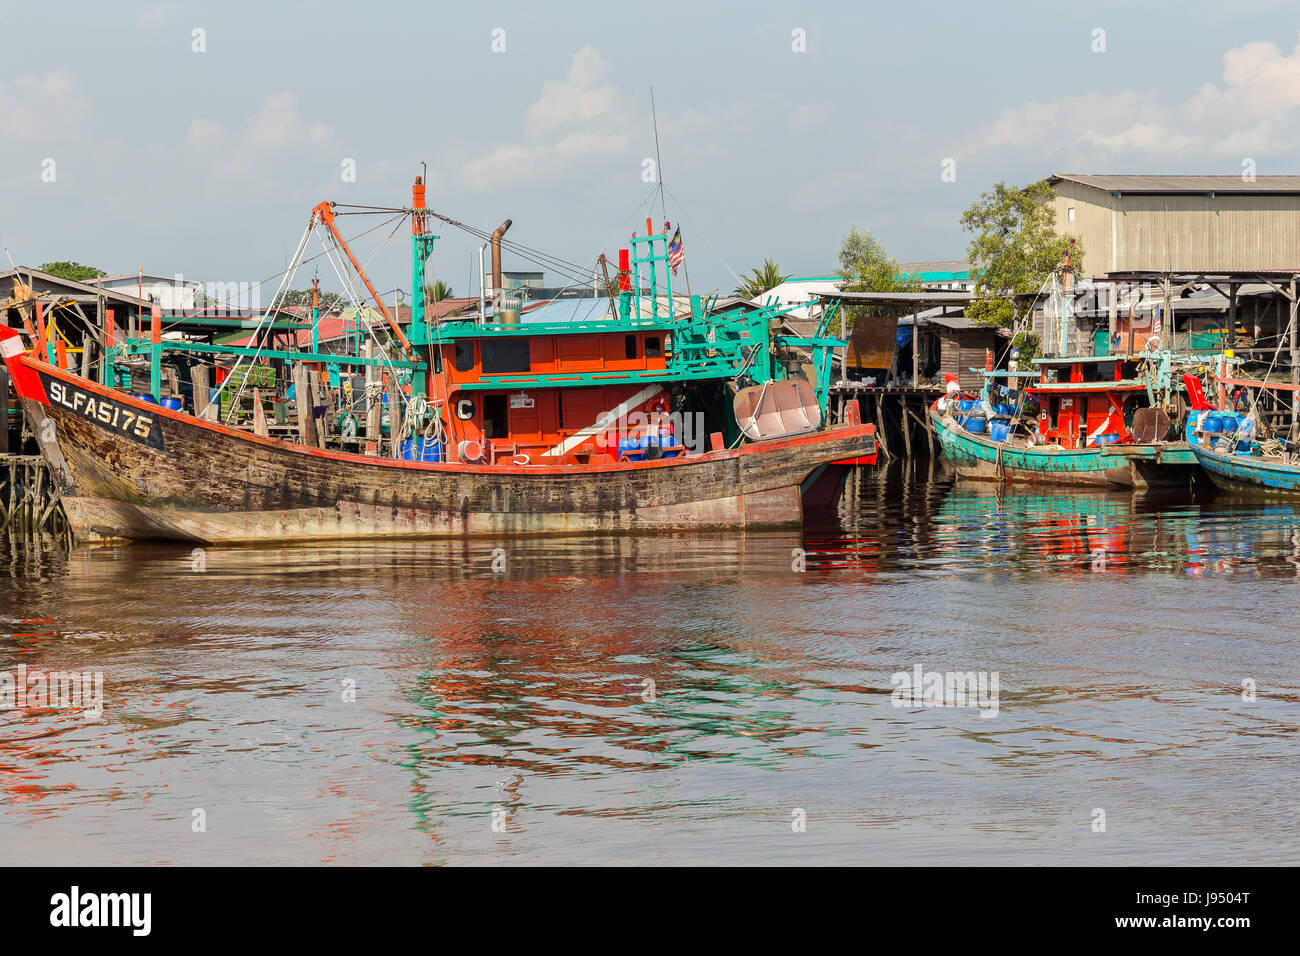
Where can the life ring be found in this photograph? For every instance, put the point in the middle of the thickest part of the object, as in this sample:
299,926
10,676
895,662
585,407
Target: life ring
658,406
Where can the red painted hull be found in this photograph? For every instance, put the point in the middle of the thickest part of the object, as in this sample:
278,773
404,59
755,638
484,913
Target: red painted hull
129,469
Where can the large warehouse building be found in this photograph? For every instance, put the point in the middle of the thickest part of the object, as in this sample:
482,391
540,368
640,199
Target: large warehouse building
1181,223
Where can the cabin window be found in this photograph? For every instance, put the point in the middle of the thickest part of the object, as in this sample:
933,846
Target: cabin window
629,346
1069,214
464,355
496,416
506,355
652,349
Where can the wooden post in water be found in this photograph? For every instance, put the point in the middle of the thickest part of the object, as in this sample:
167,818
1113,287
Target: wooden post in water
313,383
306,419
202,394
259,415
395,417
902,419
880,427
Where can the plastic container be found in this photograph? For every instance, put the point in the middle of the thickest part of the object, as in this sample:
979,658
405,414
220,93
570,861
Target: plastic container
145,398
1107,439
999,431
173,403
976,426
1004,409
421,449
966,404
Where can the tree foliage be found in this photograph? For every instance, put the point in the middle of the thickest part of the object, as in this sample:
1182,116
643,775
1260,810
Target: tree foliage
762,279
866,267
438,291
1015,249
75,271
330,302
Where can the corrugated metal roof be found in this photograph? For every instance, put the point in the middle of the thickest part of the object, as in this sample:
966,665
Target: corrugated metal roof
940,297
1182,184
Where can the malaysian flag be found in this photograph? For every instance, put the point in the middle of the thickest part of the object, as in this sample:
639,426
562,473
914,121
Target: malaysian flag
675,250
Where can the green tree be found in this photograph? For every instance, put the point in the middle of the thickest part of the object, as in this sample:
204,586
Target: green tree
760,280
1015,249
72,270
330,302
866,267
437,292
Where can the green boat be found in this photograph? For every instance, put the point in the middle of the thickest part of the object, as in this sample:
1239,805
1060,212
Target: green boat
1078,421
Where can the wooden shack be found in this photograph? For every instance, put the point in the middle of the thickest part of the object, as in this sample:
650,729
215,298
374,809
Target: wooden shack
961,345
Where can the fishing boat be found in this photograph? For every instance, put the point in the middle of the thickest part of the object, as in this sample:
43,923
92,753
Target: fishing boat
1078,421
621,423
1235,449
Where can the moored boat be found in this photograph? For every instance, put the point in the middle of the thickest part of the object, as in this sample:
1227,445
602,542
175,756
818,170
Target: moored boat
500,427
1081,422
1238,458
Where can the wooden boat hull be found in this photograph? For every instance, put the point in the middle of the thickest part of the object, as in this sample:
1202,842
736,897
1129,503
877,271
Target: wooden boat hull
981,459
129,469
1240,475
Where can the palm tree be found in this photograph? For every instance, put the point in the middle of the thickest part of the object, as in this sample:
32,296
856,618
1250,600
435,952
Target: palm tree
437,292
760,280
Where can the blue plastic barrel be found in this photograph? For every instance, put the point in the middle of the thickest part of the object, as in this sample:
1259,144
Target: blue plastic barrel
976,426
1004,409
173,403
999,431
145,398
966,404
421,449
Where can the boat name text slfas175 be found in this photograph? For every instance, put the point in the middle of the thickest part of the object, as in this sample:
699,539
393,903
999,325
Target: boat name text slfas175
109,413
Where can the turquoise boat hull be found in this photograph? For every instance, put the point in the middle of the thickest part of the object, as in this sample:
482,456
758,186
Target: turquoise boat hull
1129,466
1245,474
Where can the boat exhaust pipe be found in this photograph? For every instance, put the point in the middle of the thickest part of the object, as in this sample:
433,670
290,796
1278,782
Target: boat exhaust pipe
496,263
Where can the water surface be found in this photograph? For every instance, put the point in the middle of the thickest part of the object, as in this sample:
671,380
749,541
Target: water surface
676,698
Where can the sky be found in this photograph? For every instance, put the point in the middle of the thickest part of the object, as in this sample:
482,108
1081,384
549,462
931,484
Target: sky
195,137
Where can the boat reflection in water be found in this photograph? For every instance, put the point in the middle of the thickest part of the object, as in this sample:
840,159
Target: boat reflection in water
672,697
912,521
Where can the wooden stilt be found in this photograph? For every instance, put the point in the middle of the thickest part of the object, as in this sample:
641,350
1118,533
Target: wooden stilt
905,424
202,394
259,415
880,428
395,416
306,420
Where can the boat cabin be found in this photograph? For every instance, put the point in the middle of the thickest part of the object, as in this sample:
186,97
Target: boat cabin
1084,401
553,397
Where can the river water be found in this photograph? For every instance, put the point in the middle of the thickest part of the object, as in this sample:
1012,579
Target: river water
677,699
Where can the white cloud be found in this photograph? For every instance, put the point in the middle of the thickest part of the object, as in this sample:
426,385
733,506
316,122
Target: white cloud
579,97
513,165
277,130
34,108
582,98
1252,113
806,116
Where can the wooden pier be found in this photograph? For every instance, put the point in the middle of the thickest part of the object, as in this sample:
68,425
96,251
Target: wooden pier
899,413
29,502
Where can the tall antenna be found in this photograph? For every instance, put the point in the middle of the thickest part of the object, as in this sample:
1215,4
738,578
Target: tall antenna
659,166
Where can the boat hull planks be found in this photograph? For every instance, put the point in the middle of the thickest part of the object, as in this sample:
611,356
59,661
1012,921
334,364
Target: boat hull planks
1129,466
197,481
1233,474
